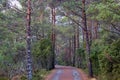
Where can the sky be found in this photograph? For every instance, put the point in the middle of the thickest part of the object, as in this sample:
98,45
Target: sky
15,4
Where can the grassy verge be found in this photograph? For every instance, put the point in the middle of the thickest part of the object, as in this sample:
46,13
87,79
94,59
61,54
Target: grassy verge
38,75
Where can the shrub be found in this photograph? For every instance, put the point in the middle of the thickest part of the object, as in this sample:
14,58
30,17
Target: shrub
37,75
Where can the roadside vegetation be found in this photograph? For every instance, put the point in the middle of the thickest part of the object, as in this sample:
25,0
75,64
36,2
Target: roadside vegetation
80,33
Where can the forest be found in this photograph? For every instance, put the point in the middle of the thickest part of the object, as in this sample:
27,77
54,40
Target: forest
36,35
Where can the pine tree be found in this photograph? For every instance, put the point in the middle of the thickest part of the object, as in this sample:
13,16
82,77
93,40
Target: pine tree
28,40
86,38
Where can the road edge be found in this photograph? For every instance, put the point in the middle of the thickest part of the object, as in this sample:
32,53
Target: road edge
49,76
83,75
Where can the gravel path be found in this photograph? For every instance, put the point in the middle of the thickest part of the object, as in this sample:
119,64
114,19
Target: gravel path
57,75
65,73
76,75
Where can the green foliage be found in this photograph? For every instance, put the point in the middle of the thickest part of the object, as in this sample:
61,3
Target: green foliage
96,50
37,75
40,75
42,48
81,55
6,46
105,11
72,4
1,57
105,56
42,52
66,30
12,36
60,59
23,78
110,61
115,51
11,40
105,53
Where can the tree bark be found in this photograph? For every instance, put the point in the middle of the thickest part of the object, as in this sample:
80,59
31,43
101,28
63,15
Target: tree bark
53,38
87,39
74,49
77,38
96,29
28,40
70,50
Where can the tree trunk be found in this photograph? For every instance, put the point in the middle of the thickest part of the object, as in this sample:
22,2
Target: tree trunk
96,29
28,40
70,50
77,38
74,49
86,39
53,38
77,46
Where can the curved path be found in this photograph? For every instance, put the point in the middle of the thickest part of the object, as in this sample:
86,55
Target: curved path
65,73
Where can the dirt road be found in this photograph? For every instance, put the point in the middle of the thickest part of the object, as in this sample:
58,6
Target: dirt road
65,73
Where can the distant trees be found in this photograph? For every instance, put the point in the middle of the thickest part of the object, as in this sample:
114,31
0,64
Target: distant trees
76,12
69,29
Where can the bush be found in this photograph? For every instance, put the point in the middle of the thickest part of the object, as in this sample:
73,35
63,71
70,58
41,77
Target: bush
109,61
43,55
23,77
81,58
37,75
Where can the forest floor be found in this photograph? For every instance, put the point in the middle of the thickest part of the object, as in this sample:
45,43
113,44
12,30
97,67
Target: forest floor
66,73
